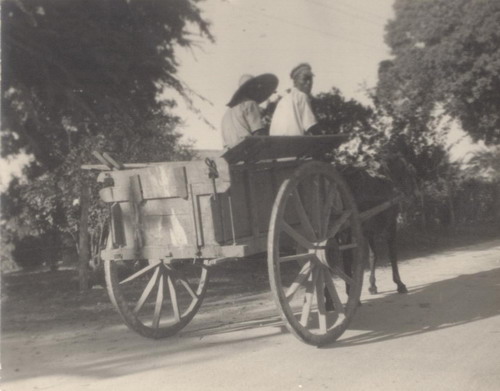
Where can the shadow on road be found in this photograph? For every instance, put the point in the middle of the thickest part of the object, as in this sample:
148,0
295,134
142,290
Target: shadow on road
109,351
440,305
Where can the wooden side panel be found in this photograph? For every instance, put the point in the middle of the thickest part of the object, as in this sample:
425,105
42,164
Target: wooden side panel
264,197
259,148
127,223
164,182
168,221
253,190
171,207
267,184
240,205
209,219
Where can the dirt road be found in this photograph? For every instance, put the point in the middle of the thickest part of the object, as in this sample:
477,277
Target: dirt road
443,335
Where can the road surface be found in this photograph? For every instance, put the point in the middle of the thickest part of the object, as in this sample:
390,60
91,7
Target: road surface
443,335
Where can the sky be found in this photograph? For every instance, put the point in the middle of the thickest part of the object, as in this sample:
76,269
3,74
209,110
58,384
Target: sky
341,39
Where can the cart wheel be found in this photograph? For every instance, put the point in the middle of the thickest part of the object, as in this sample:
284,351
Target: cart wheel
154,298
315,251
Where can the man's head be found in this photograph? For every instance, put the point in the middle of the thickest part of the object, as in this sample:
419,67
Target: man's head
302,77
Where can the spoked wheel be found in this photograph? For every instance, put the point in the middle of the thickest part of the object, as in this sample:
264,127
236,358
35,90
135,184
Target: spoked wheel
154,298
315,251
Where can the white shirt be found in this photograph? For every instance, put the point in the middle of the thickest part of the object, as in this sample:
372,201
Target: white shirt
293,115
239,122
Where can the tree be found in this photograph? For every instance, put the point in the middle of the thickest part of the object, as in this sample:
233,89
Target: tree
486,164
71,68
86,75
446,58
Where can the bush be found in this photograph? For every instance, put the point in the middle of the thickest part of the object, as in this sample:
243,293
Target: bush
32,252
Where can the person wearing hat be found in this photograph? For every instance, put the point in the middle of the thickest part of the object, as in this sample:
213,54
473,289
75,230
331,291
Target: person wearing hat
243,117
293,115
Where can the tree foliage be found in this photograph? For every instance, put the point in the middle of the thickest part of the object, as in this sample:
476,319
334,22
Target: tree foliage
446,58
70,68
86,75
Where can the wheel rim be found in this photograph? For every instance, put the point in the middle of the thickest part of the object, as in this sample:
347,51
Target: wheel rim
314,226
155,298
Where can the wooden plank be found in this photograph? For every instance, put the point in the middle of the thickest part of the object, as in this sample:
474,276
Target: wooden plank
239,200
252,202
117,225
367,214
185,252
167,180
101,158
115,194
114,163
136,194
195,215
164,182
258,148
277,164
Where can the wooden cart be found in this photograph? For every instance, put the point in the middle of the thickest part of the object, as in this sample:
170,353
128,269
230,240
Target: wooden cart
170,222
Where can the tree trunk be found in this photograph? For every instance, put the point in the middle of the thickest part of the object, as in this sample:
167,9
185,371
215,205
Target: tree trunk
53,251
496,202
451,206
84,254
423,217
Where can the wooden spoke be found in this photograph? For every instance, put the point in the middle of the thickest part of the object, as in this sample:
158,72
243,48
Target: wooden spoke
188,287
158,304
337,203
339,272
334,229
296,257
304,219
301,277
147,291
316,205
330,286
144,312
320,300
348,246
327,208
321,203
308,298
140,272
177,274
297,236
173,297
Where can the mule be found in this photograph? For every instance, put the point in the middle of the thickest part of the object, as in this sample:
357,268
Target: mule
371,190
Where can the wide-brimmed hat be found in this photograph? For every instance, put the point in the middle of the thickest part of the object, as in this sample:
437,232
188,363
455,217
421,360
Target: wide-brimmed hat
257,88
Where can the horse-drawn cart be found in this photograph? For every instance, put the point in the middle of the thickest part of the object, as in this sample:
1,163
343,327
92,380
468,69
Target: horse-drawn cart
171,222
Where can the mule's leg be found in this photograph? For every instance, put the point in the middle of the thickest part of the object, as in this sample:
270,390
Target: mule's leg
372,260
391,243
347,260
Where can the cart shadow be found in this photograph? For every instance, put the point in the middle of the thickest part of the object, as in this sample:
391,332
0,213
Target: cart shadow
437,306
426,308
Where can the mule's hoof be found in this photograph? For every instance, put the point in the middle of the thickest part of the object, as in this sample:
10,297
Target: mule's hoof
402,288
373,290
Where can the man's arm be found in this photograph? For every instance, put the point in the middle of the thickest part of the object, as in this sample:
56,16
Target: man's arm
254,119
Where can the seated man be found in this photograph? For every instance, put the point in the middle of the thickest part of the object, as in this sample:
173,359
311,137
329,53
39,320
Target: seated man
293,115
243,117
